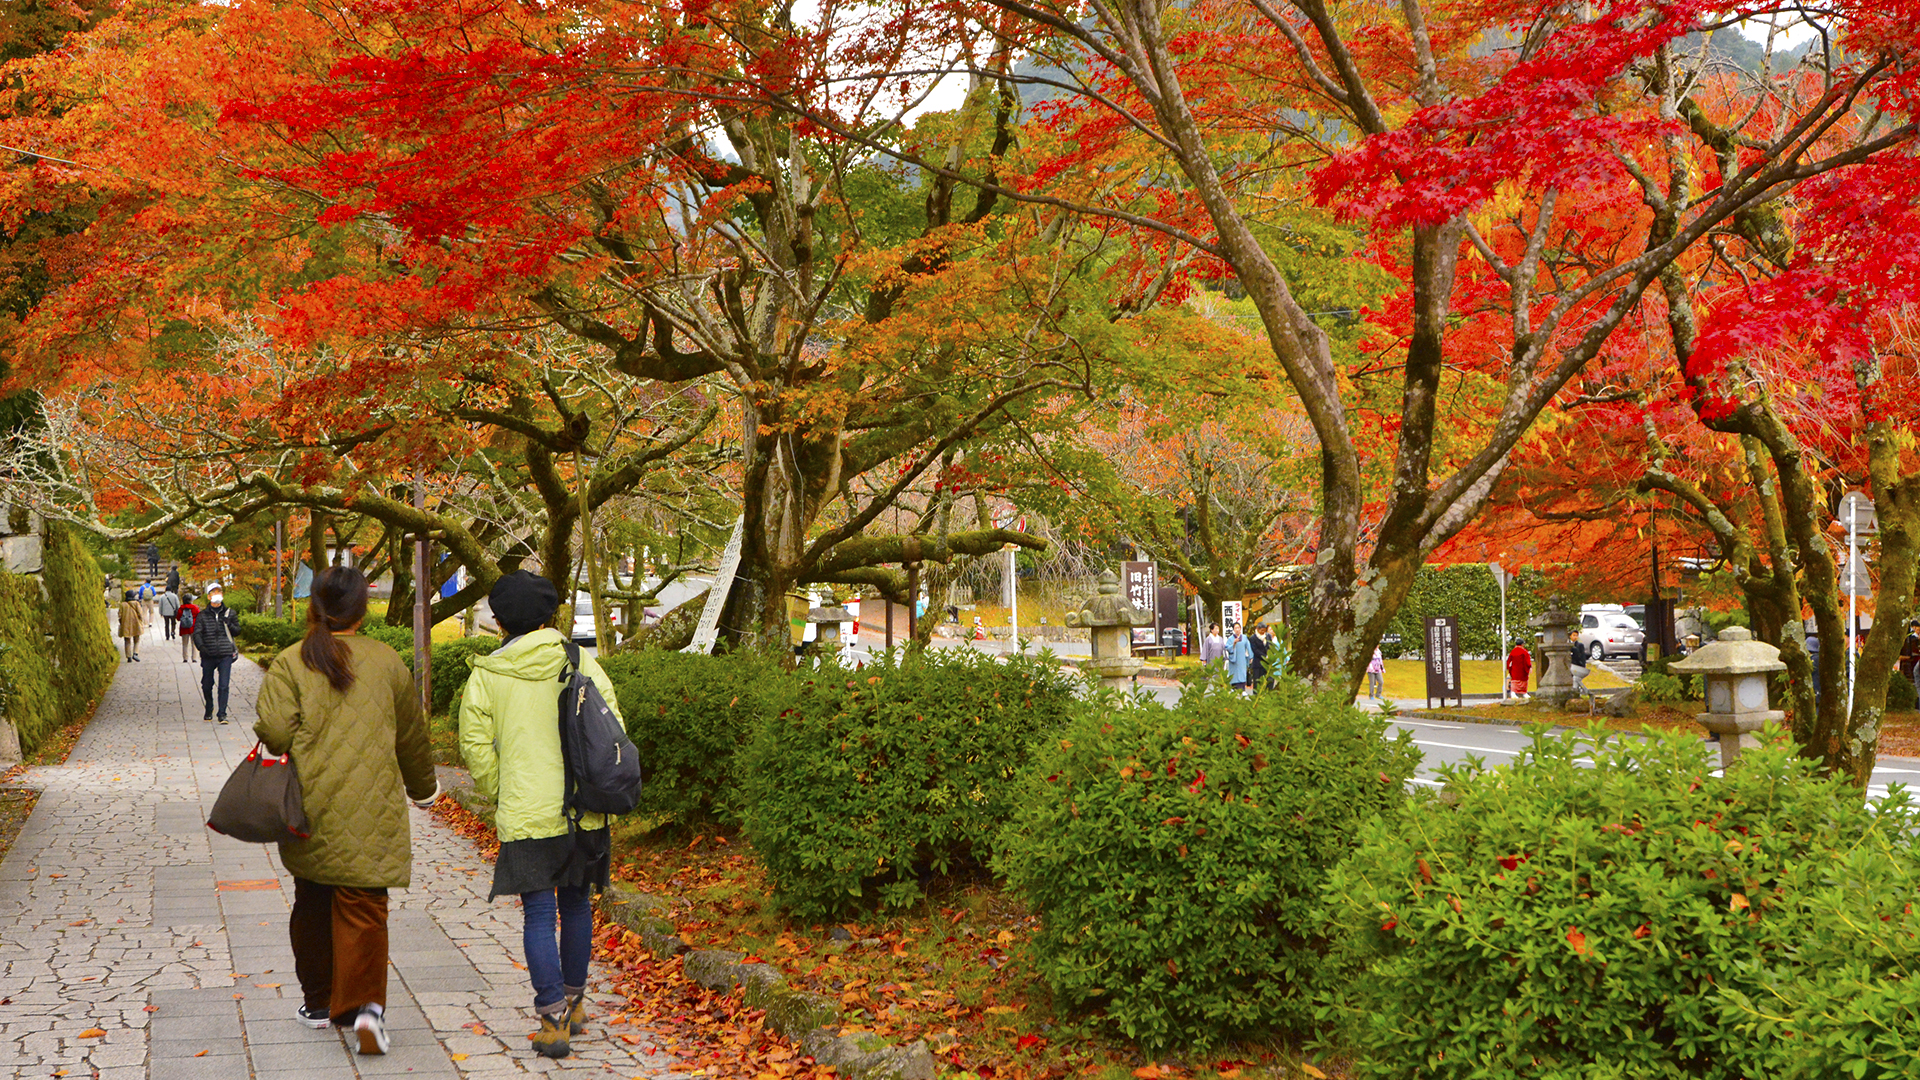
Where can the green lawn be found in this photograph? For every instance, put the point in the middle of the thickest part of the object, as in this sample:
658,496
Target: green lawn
1408,678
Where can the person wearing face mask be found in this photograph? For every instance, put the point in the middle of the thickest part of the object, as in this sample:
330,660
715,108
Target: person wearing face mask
213,636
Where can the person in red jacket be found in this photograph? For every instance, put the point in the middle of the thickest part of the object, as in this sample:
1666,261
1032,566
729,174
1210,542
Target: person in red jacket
1519,667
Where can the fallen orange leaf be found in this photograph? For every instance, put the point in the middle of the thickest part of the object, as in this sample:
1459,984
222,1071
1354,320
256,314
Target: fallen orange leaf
457,1057
1313,1072
202,1053
93,1033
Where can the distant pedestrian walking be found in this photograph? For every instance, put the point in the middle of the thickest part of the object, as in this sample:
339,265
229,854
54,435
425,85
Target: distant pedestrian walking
149,599
188,612
1376,674
345,707
1239,656
213,637
1213,647
153,559
169,611
1577,656
1519,669
133,623
1261,642
510,739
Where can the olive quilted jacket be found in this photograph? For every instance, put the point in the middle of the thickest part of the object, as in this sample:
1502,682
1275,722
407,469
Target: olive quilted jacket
355,752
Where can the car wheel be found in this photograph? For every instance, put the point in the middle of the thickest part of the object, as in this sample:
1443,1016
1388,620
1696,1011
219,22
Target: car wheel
1597,651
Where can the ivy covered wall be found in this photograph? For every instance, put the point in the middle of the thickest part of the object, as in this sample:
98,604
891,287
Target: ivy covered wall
47,687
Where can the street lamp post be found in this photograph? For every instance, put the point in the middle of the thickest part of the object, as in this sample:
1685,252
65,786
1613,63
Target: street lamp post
1500,578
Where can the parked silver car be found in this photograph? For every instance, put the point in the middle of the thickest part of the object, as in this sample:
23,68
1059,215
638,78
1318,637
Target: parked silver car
1612,633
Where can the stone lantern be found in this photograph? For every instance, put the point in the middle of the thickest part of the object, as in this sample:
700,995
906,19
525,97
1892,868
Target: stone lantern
1112,618
1735,670
1556,653
826,622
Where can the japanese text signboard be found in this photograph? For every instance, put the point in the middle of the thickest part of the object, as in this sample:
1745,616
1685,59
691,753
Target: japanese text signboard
1443,658
1142,584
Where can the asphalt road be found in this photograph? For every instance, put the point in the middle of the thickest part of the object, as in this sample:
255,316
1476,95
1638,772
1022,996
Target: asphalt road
1443,742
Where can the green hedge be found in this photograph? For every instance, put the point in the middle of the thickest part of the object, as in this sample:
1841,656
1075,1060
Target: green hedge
1900,695
47,688
875,778
1176,856
1469,593
451,663
690,715
1608,907
269,632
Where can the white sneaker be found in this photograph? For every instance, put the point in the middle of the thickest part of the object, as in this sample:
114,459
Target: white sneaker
371,1030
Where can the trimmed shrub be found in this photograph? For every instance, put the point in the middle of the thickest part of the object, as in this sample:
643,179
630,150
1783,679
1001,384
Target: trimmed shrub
1900,695
1175,856
690,715
451,661
269,632
876,778
397,638
1841,987
1468,592
1601,908
1658,687
450,664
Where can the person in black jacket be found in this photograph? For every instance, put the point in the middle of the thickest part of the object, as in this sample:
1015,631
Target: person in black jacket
214,633
1257,671
1577,661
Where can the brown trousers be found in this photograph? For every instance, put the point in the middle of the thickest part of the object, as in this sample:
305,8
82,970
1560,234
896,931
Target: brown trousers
339,947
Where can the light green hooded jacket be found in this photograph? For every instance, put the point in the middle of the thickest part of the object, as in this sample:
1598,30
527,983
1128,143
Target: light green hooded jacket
510,734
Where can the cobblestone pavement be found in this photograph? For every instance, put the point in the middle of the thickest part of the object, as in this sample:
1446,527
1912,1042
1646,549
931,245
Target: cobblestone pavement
120,911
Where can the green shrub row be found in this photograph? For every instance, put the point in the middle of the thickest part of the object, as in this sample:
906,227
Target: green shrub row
1176,856
690,715
874,781
1608,907
450,664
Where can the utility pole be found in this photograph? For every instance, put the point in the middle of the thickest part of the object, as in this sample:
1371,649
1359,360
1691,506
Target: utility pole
422,608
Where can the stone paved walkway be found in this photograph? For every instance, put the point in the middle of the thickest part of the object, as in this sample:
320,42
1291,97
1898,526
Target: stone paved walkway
120,910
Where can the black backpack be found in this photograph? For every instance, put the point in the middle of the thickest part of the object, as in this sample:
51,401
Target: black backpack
603,768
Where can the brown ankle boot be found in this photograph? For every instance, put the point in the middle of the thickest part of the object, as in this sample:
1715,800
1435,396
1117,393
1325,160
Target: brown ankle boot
551,1039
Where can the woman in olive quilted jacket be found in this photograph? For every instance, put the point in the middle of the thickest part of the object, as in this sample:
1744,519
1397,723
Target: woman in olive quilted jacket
345,705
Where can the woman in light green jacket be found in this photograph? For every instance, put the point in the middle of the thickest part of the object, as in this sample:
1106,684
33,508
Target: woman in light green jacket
510,738
345,707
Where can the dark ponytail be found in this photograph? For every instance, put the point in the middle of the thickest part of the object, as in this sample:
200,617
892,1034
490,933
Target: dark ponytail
339,602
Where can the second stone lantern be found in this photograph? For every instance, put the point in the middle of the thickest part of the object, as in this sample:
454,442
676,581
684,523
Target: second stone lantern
1112,618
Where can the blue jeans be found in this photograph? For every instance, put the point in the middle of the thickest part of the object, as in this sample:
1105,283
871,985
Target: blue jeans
553,969
209,665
